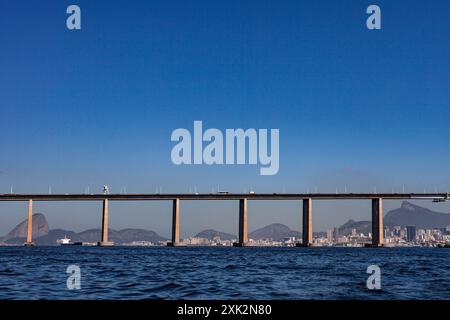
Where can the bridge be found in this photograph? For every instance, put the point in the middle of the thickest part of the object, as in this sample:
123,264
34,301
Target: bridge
243,198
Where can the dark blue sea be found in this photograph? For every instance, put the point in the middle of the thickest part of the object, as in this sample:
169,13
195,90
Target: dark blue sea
223,273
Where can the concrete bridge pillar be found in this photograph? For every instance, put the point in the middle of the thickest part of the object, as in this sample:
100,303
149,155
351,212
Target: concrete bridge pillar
243,227
104,241
307,223
377,222
175,224
30,224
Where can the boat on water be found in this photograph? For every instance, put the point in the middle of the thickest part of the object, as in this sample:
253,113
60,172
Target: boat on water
63,241
66,242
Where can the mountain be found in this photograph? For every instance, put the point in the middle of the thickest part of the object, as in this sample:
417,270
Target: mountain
210,234
94,235
129,235
407,215
360,226
275,231
40,228
412,215
121,236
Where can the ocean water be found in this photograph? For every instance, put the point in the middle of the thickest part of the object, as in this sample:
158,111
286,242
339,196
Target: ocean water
223,273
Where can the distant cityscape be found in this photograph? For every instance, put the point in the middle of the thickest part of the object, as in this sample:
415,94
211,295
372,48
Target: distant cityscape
409,225
393,237
396,236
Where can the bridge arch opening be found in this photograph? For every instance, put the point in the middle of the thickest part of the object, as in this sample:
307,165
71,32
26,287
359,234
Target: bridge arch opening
342,222
140,223
274,222
209,222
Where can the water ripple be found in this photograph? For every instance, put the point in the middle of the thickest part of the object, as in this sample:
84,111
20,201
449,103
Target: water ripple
223,273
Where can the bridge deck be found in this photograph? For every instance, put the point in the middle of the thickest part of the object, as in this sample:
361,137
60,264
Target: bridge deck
216,196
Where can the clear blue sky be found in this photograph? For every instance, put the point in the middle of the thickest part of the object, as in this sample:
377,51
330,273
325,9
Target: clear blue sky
355,108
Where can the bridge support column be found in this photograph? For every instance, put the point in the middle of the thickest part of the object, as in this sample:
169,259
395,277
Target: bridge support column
175,224
243,231
307,223
30,224
104,241
377,222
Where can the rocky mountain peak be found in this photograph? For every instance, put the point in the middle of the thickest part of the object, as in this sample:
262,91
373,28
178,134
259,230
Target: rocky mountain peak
40,228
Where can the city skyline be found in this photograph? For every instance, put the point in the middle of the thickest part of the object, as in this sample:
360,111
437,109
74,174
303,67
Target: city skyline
158,216
351,234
